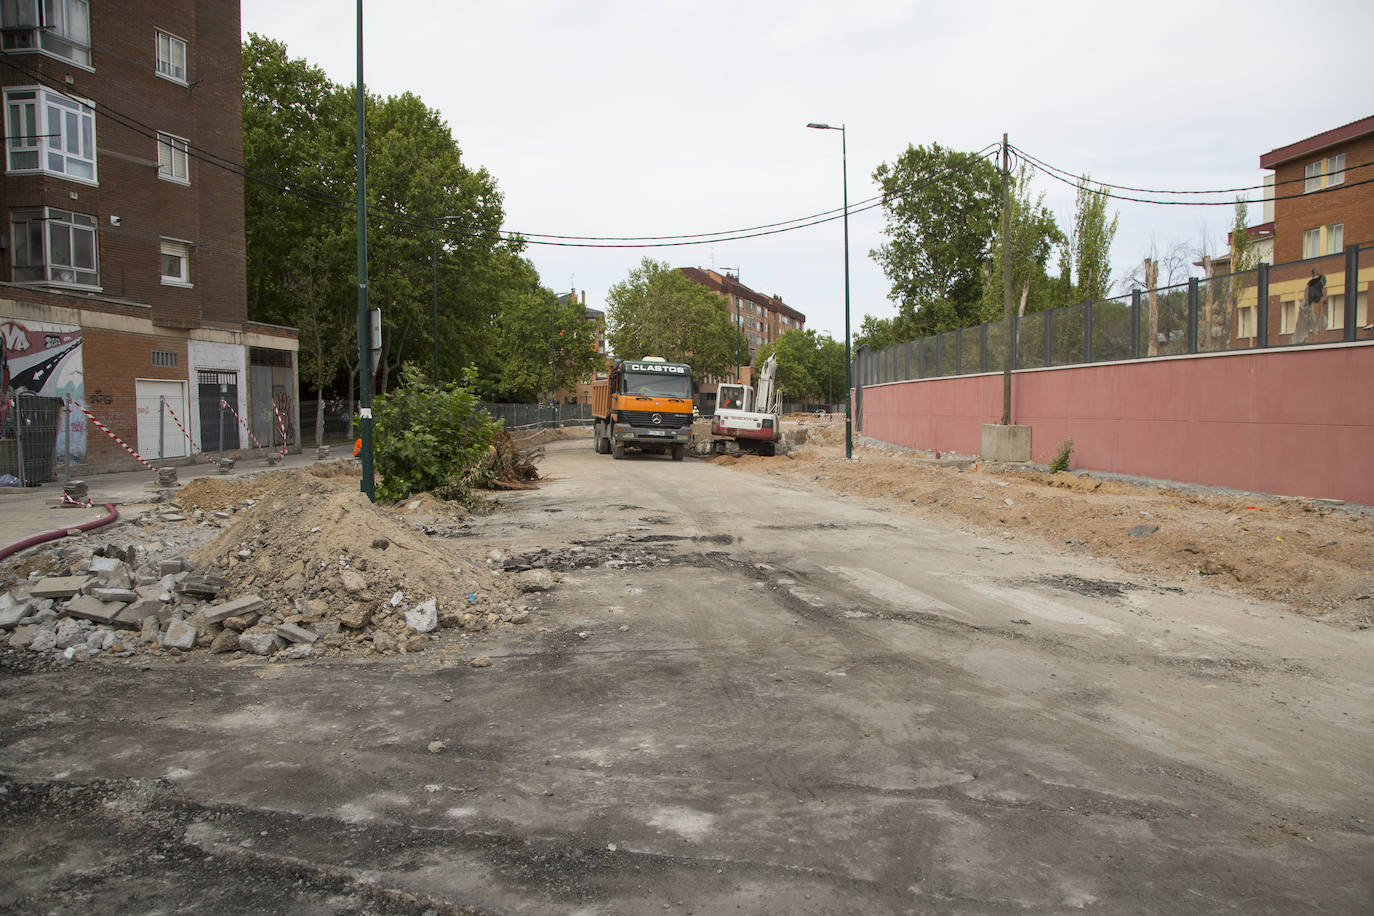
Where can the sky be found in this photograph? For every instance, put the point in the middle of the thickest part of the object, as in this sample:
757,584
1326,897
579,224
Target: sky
613,118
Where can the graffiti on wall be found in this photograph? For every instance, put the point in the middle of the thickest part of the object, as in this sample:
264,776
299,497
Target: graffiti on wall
45,359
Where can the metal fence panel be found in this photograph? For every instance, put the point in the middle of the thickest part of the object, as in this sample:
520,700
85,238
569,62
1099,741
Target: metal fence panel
1111,329
1067,336
946,346
1030,341
971,351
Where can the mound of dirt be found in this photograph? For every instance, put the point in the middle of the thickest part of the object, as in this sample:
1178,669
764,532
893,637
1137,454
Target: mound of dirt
1312,556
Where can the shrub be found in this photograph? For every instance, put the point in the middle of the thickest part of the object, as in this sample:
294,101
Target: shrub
1061,459
427,438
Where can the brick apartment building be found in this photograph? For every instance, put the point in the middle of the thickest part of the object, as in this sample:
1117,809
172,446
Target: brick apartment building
122,280
758,319
1323,208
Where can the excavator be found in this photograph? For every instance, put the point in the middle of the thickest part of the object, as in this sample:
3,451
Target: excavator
749,417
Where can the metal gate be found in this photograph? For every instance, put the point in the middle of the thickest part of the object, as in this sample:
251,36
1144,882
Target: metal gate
218,428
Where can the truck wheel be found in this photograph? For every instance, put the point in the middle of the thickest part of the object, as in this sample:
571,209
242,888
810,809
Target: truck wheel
618,451
603,445
679,451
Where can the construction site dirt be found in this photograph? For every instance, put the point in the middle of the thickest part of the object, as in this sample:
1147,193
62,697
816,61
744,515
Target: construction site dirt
795,684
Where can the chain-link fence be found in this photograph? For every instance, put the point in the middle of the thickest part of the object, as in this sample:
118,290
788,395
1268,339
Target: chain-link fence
1299,303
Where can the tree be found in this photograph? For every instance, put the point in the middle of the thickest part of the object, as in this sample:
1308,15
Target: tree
877,333
940,206
657,311
1034,237
533,333
807,362
1090,245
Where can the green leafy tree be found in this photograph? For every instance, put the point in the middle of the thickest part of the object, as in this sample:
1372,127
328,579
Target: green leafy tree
1034,238
940,206
428,438
657,311
876,333
533,333
1090,245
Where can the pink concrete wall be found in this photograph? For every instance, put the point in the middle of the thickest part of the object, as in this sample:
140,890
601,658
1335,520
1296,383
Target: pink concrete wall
1296,422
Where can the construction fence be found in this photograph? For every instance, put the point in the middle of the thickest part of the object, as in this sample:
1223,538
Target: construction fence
1313,301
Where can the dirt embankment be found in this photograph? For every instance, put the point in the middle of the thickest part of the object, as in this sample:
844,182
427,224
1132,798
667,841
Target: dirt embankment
1316,557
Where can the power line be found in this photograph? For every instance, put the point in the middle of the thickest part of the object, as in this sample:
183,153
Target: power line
1101,192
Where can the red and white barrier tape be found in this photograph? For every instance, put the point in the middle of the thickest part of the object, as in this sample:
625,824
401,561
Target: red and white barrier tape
194,447
107,432
254,439
281,425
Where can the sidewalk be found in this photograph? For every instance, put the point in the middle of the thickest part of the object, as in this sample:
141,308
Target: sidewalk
27,511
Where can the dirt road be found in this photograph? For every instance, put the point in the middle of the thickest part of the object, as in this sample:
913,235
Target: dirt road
746,693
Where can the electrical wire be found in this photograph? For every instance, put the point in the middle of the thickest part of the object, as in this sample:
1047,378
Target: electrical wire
1101,192
1122,187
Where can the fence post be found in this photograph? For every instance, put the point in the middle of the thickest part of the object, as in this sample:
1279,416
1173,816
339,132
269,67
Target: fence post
19,437
1352,289
920,357
223,392
983,347
67,440
161,427
1049,337
1135,324
1192,314
1014,341
1262,306
1087,332
958,351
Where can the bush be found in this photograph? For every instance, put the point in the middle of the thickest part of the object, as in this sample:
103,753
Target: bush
428,438
1061,460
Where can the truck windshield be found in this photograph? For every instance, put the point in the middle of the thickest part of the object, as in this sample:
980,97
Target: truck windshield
658,386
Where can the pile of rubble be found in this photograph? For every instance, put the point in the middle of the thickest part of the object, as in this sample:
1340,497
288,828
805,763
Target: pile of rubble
308,568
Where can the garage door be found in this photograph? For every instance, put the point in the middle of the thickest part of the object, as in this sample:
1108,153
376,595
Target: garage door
152,418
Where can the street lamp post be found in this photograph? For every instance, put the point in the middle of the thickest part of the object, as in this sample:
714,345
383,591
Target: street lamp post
848,380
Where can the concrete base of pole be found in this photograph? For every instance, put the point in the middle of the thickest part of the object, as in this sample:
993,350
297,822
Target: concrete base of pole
1006,443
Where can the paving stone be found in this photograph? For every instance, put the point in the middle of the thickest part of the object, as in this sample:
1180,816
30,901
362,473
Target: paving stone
133,615
60,586
257,643
218,613
178,635
122,595
10,616
170,566
296,634
148,631
89,607
206,585
23,635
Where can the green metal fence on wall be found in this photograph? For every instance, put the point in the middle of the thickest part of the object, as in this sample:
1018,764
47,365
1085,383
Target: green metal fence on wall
1313,301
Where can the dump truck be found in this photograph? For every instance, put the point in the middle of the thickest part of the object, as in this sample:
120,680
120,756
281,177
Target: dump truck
748,417
645,404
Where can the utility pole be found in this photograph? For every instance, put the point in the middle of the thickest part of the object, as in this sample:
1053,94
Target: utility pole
1006,279
364,319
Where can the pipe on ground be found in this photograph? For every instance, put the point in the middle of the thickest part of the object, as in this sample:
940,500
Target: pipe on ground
111,516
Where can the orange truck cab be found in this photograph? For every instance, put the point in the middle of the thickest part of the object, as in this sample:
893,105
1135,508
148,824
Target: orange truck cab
646,404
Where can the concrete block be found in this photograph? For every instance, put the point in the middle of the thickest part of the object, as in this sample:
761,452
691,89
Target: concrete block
89,607
207,586
1006,443
257,643
325,627
218,613
10,616
69,633
170,566
60,586
297,634
43,640
178,635
23,635
100,565
122,595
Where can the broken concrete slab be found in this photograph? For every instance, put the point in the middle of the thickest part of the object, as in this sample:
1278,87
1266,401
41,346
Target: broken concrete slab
325,627
60,586
226,641
178,635
131,617
122,595
11,615
218,613
23,635
257,643
424,617
89,607
296,634
68,633
207,585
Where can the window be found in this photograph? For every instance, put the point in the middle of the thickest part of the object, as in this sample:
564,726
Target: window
1335,170
55,246
1288,316
61,28
1245,321
176,263
1323,240
47,132
173,159
1313,177
1335,311
164,358
171,57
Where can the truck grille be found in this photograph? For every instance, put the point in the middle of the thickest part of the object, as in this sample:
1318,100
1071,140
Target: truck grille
646,418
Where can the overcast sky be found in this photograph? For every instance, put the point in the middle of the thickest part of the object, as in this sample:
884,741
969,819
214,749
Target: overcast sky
641,118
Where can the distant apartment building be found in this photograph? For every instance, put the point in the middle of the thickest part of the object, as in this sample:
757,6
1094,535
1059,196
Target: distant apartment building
758,319
123,277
